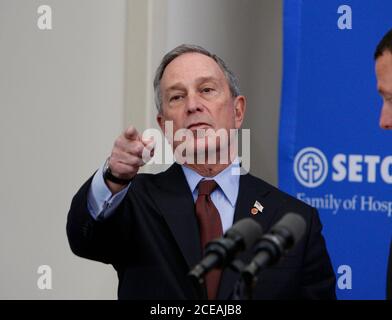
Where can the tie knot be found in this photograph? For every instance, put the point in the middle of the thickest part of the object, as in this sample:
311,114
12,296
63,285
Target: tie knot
206,187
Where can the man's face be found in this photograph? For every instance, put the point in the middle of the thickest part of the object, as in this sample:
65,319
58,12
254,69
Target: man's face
384,87
196,95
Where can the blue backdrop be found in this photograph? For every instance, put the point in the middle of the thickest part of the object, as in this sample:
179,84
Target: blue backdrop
332,154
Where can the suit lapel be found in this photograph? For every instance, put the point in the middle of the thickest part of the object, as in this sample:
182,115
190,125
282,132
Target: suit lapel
178,209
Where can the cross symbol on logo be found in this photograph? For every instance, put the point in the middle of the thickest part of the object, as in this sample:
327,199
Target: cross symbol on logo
310,167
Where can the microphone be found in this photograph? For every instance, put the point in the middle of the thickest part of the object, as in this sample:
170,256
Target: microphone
220,252
284,235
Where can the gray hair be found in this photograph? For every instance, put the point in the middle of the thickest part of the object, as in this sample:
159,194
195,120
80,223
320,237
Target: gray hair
187,48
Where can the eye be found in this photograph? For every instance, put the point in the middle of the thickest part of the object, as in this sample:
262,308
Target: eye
175,98
207,90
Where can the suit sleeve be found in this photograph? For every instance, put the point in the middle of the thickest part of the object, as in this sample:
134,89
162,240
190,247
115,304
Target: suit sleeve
318,278
103,241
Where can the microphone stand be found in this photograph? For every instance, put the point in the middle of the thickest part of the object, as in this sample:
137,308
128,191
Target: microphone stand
269,252
243,288
248,274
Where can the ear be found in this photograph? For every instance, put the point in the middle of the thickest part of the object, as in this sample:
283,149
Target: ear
239,111
161,121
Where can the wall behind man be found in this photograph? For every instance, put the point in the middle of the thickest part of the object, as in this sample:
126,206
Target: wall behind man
66,94
61,104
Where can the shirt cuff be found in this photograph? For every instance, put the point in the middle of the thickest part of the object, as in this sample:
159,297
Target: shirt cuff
101,203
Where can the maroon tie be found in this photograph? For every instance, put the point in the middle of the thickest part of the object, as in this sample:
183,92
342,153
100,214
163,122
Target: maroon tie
210,227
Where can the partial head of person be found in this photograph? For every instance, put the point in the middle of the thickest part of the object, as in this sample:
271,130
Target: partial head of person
383,58
195,91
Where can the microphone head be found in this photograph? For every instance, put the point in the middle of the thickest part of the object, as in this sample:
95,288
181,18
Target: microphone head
248,229
294,224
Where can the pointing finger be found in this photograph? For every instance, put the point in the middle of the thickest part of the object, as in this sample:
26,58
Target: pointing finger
131,133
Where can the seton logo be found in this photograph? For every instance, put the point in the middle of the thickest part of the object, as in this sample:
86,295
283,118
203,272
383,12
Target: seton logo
310,167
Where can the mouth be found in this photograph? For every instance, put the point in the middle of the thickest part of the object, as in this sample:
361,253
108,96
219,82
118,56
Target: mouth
198,125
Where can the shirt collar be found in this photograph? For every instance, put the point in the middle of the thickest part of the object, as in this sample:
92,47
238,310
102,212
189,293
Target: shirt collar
228,182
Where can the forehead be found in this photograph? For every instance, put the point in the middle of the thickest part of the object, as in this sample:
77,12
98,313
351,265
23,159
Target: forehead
190,66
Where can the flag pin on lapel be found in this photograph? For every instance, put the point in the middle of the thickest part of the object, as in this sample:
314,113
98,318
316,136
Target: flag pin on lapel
257,207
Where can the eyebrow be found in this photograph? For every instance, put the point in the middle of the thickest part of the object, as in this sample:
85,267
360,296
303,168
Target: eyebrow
200,80
176,86
206,79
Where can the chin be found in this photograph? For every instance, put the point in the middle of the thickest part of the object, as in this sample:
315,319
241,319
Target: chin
206,154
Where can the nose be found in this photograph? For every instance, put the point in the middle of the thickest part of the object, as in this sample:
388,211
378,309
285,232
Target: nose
193,103
386,117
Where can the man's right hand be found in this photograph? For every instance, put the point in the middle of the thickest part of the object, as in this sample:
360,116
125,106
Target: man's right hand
127,157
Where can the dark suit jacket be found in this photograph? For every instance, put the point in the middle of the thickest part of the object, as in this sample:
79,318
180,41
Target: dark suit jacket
152,240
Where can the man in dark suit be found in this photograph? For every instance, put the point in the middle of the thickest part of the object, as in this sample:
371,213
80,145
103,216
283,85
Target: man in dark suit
153,227
383,58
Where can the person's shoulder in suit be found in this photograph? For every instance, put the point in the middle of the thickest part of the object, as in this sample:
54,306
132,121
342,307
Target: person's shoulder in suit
285,199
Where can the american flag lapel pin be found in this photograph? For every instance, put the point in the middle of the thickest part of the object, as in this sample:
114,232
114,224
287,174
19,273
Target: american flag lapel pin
257,207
